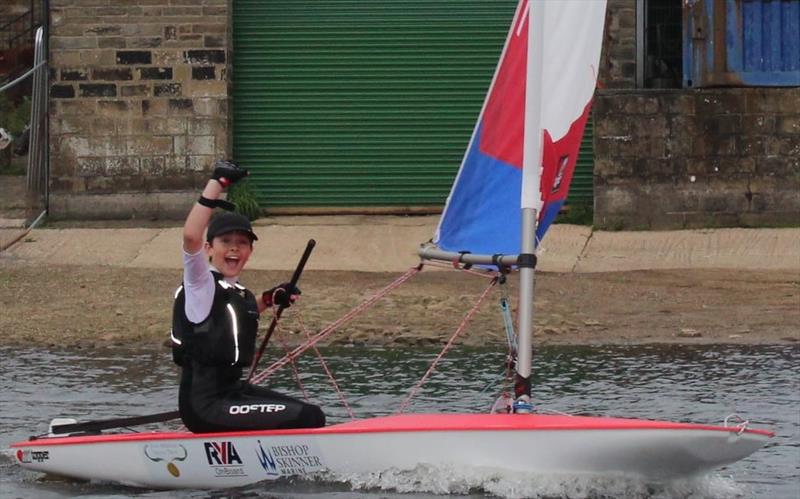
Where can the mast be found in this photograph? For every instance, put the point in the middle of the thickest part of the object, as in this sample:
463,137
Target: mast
530,204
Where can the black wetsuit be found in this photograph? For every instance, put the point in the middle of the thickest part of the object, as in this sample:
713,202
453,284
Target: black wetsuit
213,397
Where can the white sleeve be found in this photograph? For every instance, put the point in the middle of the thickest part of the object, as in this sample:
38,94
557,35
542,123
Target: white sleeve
198,285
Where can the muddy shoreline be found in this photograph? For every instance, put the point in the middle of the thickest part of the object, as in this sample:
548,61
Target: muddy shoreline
65,305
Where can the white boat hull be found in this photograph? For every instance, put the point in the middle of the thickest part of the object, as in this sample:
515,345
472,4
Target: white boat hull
514,443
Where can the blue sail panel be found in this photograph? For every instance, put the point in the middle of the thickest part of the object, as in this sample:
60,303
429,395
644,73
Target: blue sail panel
483,211
483,215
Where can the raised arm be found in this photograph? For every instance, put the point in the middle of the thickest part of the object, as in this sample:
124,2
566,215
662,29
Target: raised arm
198,218
225,173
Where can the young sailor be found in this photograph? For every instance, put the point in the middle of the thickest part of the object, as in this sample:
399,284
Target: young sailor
215,322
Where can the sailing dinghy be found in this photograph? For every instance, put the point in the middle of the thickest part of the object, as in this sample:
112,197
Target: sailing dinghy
512,182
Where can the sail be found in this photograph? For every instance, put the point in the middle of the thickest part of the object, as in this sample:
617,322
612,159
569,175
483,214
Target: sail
482,214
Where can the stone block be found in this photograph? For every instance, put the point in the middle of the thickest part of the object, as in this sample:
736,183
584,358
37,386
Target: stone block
103,57
166,57
211,56
74,74
200,145
709,103
208,88
168,126
647,126
72,146
148,145
111,11
182,11
209,11
773,101
219,28
145,42
213,41
789,125
750,145
153,165
72,43
109,42
181,106
115,108
154,108
722,124
677,145
102,127
112,74
641,104
134,57
776,166
104,30
679,103
757,124
62,91
205,126
204,72
105,146
785,145
155,73
63,124
135,90
133,126
179,145
167,89
613,167
98,90
65,58
654,168
67,185
123,166
199,163
75,108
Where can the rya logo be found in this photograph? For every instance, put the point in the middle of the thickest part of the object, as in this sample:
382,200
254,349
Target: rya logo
267,460
221,454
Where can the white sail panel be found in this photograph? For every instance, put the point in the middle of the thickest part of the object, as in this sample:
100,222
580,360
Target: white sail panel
482,214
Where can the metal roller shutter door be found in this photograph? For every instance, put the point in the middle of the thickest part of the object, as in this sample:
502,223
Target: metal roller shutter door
344,103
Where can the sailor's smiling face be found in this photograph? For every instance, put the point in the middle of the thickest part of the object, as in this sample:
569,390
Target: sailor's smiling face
229,252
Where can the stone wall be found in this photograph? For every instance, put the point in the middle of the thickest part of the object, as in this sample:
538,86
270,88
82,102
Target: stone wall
139,104
697,158
618,59
687,157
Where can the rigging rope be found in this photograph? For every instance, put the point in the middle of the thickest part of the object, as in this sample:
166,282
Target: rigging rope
327,331
295,371
447,346
338,390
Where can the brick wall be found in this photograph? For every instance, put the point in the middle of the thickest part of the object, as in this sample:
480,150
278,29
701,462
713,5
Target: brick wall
139,104
697,158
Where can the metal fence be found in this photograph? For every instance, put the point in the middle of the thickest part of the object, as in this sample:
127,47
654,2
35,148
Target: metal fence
37,174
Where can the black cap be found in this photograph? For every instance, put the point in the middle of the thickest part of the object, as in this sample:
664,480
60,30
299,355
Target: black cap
229,222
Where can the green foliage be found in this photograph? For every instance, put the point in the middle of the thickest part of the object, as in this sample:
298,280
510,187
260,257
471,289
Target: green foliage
14,117
577,214
243,196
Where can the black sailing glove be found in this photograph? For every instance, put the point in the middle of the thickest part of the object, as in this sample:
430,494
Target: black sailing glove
227,172
283,294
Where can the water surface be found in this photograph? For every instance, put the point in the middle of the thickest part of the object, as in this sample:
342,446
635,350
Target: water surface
701,384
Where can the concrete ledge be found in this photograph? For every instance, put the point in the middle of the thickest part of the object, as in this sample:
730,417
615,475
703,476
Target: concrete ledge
389,244
154,205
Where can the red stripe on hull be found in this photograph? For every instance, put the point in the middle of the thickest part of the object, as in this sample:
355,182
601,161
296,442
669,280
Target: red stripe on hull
415,423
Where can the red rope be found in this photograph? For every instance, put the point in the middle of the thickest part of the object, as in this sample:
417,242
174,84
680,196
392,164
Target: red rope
338,390
327,331
449,344
295,371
